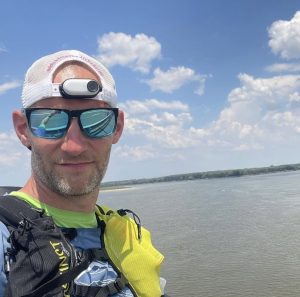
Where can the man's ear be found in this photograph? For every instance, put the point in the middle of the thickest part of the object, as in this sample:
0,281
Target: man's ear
119,128
20,125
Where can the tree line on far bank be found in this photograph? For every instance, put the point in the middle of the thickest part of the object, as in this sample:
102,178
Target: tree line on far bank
205,175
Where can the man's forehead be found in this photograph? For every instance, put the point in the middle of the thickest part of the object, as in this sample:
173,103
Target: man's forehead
73,70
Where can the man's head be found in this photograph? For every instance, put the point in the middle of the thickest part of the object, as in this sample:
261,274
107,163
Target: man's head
44,78
69,125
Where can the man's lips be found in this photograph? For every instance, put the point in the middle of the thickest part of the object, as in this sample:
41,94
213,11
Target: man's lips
80,164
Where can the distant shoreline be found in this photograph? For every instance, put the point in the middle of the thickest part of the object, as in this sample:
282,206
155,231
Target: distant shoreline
115,188
122,185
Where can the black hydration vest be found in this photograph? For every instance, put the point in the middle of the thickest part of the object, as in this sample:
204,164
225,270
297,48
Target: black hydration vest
41,262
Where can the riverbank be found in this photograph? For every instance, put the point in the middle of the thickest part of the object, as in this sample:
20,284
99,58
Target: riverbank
202,175
105,188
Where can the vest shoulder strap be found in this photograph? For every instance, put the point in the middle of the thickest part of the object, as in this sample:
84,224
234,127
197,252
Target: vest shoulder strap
7,189
13,210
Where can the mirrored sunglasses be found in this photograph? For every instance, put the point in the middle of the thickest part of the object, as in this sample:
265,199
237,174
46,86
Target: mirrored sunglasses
53,123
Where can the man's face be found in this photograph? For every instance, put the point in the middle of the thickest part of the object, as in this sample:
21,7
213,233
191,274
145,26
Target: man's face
73,165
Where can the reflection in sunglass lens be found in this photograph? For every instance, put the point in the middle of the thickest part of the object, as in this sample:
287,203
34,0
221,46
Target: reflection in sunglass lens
98,123
46,123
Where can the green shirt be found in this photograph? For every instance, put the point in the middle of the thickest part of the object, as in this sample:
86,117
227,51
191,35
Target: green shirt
61,217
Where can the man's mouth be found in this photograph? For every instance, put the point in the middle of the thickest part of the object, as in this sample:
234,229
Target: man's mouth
76,165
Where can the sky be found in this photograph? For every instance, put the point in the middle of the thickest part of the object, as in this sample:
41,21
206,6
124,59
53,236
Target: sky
204,84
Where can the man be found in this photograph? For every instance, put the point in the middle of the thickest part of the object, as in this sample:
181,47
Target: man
70,121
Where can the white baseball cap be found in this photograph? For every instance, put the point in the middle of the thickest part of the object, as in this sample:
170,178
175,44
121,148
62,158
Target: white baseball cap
38,83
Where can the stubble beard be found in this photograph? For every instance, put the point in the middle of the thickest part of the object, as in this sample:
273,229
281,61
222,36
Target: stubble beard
60,184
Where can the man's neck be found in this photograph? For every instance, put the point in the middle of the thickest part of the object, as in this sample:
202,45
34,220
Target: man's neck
40,192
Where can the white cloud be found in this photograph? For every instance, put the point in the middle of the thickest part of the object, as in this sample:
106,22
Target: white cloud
170,137
261,112
285,37
136,52
11,152
137,153
198,132
148,105
10,159
9,86
294,97
14,160
163,123
146,153
283,67
174,78
262,93
167,117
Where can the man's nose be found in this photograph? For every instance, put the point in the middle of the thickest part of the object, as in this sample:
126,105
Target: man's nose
74,141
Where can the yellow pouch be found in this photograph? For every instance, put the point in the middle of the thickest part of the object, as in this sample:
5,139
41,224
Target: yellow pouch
136,258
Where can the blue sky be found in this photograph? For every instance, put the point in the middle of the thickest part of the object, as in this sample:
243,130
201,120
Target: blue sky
205,85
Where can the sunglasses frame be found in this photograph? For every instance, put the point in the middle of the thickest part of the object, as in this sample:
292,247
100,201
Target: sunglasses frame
71,115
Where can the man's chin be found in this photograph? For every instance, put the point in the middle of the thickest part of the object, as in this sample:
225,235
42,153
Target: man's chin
73,189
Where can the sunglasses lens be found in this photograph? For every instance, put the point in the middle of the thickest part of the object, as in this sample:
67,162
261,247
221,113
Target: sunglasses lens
48,123
98,123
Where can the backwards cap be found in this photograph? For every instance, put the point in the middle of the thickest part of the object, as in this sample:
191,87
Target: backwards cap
39,84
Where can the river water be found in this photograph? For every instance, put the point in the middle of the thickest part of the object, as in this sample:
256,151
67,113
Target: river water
223,237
